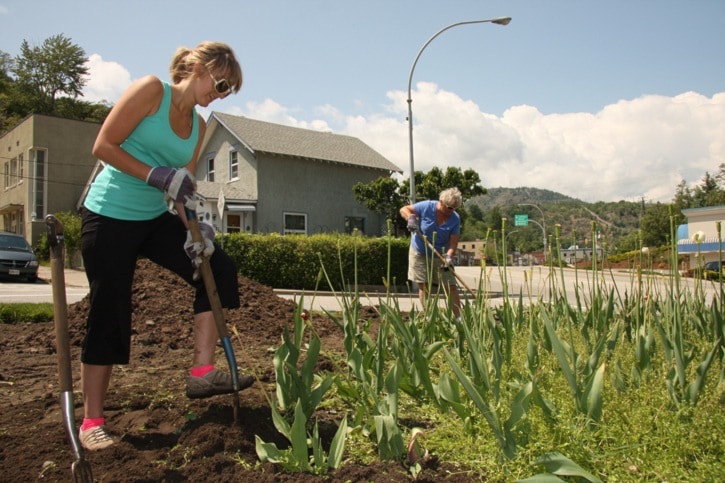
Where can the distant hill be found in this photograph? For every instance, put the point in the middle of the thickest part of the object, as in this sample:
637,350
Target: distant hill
613,219
512,196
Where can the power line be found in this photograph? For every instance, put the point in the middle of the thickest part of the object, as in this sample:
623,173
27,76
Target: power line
49,181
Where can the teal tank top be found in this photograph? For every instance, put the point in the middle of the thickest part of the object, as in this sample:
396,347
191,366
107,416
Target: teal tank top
119,195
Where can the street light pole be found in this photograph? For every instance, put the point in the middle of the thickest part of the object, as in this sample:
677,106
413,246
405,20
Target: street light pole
543,222
497,21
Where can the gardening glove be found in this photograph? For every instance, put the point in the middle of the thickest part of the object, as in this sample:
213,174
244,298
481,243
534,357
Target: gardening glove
413,223
197,250
449,261
179,184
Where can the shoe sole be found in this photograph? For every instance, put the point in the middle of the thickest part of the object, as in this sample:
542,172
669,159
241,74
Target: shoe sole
244,383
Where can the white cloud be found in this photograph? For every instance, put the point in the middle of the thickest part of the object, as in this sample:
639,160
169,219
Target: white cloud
632,149
4,10
271,111
106,80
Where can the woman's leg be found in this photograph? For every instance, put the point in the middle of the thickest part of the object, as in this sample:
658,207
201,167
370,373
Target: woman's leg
205,338
94,384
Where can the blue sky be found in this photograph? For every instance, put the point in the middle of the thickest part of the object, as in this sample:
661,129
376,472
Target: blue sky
601,101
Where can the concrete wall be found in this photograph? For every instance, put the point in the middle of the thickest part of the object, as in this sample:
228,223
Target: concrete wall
67,145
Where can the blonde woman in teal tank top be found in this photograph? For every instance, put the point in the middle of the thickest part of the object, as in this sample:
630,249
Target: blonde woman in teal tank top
150,143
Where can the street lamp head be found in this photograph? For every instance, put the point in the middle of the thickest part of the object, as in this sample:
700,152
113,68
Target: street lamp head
501,20
498,21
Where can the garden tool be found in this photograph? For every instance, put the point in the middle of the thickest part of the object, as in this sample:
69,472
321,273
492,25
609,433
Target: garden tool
216,307
442,258
80,468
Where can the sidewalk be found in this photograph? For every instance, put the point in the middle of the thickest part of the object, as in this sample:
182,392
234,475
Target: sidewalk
73,278
315,302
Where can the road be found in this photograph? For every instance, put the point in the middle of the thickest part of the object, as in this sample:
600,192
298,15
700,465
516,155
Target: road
533,282
41,291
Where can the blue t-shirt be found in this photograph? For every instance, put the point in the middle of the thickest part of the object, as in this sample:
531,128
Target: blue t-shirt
119,195
426,211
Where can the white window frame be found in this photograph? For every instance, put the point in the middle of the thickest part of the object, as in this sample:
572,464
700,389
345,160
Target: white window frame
233,164
290,231
39,181
13,171
210,173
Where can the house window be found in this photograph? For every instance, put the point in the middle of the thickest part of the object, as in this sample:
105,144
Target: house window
353,223
21,172
13,171
233,165
6,182
234,223
38,161
295,223
210,168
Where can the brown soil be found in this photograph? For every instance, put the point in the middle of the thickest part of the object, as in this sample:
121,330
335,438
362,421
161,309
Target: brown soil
163,435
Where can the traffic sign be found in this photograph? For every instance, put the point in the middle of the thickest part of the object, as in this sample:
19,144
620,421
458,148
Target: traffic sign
521,220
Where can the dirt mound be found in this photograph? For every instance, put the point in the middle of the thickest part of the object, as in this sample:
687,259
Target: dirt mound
163,435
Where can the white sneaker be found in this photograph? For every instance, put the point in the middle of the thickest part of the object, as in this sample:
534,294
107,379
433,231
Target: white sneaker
95,438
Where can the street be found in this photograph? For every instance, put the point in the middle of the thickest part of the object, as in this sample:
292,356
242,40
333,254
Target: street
532,282
38,292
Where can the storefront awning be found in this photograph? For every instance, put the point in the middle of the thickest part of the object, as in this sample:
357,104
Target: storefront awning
707,246
231,207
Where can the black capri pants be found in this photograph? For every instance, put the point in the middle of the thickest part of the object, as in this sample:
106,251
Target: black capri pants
110,248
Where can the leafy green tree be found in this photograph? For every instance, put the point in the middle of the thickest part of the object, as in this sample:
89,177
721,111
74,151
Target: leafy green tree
429,185
57,67
476,212
382,196
81,110
9,114
683,196
655,225
495,218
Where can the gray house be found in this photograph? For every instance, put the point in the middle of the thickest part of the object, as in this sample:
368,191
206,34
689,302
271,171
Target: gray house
46,161
261,177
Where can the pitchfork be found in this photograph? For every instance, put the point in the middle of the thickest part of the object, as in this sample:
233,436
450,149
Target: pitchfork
80,468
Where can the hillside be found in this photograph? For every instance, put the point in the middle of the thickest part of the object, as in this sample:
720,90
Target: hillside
614,220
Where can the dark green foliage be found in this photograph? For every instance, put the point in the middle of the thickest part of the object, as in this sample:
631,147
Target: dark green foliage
295,261
46,79
71,235
45,73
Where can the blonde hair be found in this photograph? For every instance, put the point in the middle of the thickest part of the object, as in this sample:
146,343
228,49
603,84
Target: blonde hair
451,197
214,56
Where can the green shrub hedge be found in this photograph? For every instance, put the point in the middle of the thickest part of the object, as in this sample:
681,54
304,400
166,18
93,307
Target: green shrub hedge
296,261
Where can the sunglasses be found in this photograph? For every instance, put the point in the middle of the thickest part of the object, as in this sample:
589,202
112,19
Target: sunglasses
221,86
450,208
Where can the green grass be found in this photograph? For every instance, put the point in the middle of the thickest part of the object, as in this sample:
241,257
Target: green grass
26,312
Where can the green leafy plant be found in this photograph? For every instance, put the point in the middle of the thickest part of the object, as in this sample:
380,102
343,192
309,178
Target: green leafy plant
297,457
296,381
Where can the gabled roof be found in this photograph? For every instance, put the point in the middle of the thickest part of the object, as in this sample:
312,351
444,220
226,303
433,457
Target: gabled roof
277,139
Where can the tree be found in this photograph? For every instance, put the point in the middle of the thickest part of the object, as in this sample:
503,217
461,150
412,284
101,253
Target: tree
476,212
655,224
58,67
429,185
8,107
382,196
683,196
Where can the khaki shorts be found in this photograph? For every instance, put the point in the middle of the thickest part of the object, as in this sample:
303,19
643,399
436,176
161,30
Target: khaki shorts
419,266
